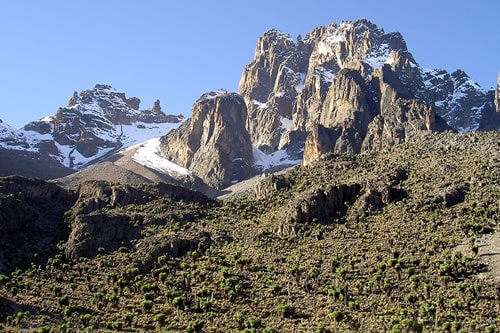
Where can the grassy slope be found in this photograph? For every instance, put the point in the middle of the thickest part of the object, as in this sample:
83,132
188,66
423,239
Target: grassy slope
393,269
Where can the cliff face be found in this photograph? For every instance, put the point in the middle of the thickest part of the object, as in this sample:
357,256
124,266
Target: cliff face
270,84
497,95
358,81
213,143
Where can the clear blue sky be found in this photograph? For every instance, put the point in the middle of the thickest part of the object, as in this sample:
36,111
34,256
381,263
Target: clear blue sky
176,50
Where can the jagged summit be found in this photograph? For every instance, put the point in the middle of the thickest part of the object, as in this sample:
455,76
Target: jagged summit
345,87
96,123
358,81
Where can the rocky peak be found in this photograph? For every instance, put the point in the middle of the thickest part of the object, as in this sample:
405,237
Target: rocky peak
358,81
156,115
156,107
270,84
213,143
96,122
73,100
259,77
458,99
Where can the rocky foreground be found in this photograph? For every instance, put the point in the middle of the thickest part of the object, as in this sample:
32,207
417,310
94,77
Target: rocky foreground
388,241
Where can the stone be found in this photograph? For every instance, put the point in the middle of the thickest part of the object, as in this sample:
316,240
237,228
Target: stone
497,95
214,142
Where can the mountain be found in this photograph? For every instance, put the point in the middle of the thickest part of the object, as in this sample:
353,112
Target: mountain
347,87
361,85
99,121
95,124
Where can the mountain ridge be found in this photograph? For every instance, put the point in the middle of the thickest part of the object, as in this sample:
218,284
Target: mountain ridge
348,86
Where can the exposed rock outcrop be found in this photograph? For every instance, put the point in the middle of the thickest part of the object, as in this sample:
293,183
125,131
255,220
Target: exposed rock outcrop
318,205
149,250
31,220
319,142
156,115
94,228
213,143
270,184
331,203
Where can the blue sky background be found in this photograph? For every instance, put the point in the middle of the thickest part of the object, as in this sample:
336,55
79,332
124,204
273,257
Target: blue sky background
176,50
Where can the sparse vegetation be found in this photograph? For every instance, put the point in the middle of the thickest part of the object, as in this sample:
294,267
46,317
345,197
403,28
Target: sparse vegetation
404,263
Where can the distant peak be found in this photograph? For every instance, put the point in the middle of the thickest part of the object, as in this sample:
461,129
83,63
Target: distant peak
103,87
277,34
214,94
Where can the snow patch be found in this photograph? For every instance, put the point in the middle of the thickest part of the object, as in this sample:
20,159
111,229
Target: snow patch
278,158
301,81
323,48
325,74
260,105
286,123
214,94
149,155
140,132
379,56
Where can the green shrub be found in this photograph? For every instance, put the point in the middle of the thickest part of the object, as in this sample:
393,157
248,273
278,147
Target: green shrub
286,310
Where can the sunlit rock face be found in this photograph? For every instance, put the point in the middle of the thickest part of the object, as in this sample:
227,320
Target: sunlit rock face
214,142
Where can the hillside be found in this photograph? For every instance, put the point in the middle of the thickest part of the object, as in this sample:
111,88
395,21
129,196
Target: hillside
400,240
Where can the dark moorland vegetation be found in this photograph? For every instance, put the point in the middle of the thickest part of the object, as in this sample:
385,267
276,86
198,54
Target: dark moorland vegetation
381,242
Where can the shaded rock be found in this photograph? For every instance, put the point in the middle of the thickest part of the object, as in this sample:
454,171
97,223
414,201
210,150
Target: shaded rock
94,225
95,195
451,196
31,220
30,164
148,250
96,232
378,193
270,184
319,205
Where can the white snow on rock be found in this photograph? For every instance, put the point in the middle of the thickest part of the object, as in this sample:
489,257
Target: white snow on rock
18,139
260,105
149,155
301,81
379,56
140,132
325,74
286,123
278,158
214,94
